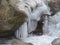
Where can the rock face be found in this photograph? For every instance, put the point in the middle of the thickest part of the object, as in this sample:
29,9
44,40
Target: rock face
56,41
19,42
10,19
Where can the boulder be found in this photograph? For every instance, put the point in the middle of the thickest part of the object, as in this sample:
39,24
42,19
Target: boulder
54,5
20,42
10,19
56,41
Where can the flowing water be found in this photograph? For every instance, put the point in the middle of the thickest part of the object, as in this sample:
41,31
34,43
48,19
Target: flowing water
51,28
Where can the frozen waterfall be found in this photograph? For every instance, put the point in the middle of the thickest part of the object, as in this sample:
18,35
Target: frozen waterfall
33,16
51,32
34,10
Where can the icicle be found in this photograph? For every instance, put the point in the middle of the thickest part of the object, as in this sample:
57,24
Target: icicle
45,27
22,33
32,25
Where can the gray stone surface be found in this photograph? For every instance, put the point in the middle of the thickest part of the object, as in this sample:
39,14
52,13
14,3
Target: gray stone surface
56,41
20,42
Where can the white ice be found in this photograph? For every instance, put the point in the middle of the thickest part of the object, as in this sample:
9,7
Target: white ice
40,40
36,15
22,32
51,24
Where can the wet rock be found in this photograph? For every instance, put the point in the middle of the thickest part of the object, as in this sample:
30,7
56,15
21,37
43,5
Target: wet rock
0,1
56,41
19,42
54,5
10,19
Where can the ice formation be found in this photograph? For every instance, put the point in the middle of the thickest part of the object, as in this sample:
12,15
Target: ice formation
54,25
33,16
34,9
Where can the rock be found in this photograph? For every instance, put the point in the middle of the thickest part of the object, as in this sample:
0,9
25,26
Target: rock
54,5
0,1
19,42
10,19
56,41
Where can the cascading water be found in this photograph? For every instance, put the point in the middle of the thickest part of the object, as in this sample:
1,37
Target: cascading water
49,28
